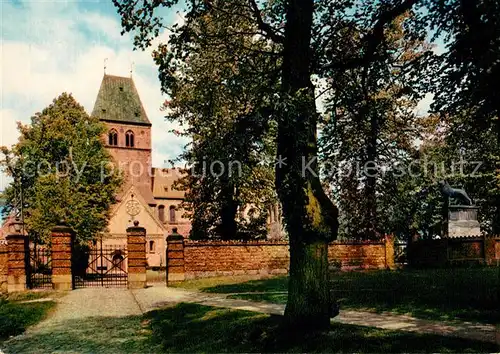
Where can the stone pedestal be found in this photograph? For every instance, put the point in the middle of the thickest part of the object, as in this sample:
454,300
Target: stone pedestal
175,259
462,221
18,246
136,248
62,250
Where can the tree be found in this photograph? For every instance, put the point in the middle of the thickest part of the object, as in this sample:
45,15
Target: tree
64,170
230,136
371,125
466,83
301,30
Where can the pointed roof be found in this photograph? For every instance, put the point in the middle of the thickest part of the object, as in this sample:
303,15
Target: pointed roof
119,101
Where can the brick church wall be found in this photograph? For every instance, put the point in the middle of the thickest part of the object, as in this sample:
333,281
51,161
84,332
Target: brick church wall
136,160
217,258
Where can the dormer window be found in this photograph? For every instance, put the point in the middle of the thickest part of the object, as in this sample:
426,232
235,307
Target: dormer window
129,139
113,138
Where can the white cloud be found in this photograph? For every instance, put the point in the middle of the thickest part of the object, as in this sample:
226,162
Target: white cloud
50,48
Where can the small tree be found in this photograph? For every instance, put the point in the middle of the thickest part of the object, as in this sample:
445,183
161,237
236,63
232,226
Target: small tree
63,168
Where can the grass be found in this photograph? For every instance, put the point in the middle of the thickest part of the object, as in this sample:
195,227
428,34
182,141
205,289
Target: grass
191,328
16,316
440,294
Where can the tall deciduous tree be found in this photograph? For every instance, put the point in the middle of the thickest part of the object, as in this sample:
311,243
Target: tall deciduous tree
218,88
302,30
64,170
467,82
372,124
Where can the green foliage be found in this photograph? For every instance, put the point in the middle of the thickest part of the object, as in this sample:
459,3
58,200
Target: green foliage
467,90
370,127
217,99
64,171
15,317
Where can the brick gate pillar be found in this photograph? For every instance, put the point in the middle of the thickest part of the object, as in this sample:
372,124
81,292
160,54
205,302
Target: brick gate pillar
62,250
4,265
136,248
175,258
18,258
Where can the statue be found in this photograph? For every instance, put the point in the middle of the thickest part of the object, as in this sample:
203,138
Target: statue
455,193
461,218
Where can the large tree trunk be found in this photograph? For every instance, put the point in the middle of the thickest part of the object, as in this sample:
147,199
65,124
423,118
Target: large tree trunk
310,216
228,212
370,224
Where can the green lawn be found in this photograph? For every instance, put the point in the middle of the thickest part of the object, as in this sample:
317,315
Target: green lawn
16,316
439,294
191,328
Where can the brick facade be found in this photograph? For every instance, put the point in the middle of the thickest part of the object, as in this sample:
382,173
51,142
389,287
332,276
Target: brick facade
195,259
62,248
135,161
484,250
17,262
4,258
136,248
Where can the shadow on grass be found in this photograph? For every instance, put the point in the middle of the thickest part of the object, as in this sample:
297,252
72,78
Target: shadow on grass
438,294
16,317
196,328
129,334
192,328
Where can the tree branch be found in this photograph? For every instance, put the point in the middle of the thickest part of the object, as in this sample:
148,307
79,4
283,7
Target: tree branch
265,27
375,37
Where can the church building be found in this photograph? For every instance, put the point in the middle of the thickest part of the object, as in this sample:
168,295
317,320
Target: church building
147,194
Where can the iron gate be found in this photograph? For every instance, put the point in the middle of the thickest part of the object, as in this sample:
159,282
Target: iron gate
106,266
40,267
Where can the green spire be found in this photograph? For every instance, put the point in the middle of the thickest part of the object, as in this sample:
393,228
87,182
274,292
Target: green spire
119,101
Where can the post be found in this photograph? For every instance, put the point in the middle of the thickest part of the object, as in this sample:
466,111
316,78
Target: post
18,258
62,250
175,258
389,252
4,265
136,247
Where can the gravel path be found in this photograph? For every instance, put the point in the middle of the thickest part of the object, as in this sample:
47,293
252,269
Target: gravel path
93,320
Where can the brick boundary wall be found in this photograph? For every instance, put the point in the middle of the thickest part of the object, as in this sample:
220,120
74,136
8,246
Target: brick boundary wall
201,259
484,250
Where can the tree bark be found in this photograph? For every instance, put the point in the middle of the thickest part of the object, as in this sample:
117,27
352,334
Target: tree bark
310,216
370,224
228,212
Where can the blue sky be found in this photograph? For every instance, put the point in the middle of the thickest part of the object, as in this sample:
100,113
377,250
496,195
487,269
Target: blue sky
52,46
49,47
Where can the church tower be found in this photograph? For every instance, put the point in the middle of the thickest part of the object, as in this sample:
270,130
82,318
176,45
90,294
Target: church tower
128,135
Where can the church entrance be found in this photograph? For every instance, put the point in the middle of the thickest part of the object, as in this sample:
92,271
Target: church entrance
106,266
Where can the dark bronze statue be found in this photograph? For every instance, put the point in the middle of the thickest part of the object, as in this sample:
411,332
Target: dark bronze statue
456,193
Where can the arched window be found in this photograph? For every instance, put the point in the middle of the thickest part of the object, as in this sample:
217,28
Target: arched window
113,138
161,213
172,213
129,139
151,246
